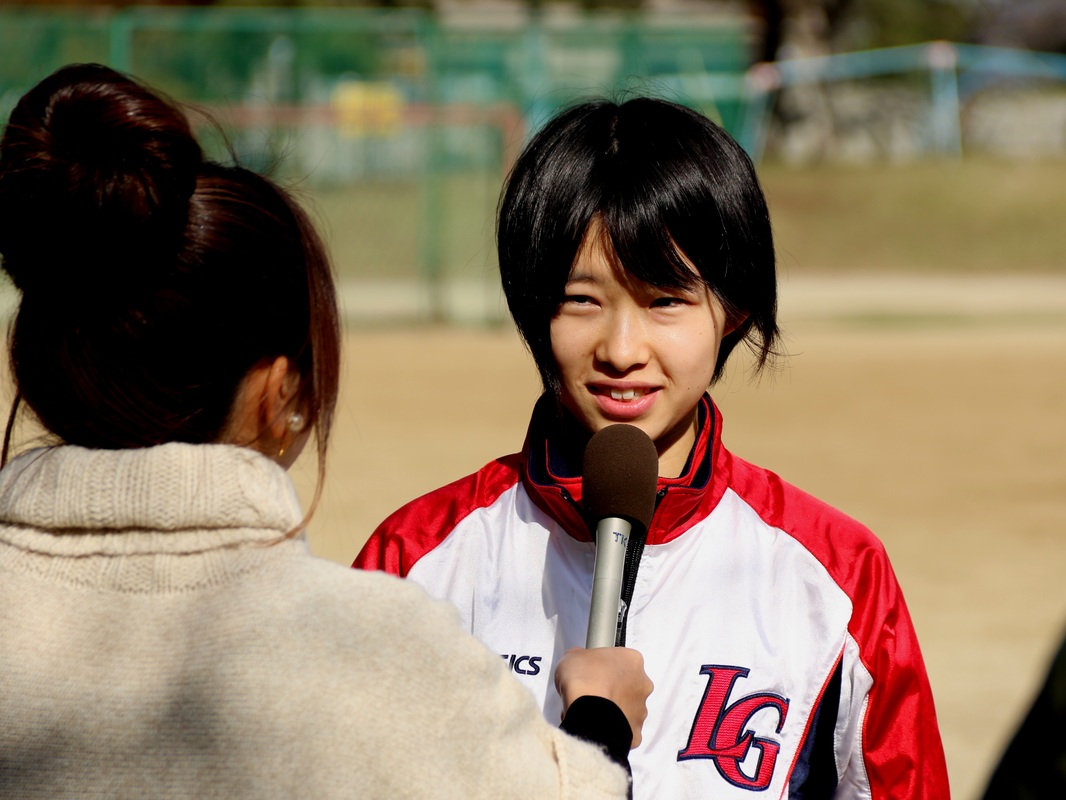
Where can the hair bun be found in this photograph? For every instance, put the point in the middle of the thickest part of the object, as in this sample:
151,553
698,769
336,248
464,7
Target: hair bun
96,172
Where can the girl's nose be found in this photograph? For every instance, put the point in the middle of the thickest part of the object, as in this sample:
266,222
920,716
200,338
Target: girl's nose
623,341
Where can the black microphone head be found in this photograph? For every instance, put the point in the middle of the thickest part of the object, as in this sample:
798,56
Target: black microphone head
620,475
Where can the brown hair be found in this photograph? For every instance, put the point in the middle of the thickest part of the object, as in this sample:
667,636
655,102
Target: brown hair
152,279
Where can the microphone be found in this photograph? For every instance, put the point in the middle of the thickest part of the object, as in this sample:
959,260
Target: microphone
619,478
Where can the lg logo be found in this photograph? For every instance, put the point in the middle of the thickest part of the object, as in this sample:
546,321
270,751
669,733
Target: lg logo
720,730
523,665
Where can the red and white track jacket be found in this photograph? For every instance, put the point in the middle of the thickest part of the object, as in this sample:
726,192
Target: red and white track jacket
784,659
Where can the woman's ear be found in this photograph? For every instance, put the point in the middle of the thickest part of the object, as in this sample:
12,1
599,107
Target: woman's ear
259,415
280,385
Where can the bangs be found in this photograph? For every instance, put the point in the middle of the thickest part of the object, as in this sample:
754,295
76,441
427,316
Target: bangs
659,203
643,244
664,232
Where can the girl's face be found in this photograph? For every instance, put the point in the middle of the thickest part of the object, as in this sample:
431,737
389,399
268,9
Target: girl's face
630,352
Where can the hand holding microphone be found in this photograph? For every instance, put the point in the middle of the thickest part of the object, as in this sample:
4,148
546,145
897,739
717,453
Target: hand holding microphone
616,674
619,479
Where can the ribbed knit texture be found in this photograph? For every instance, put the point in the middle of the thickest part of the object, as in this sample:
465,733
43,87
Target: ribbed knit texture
161,637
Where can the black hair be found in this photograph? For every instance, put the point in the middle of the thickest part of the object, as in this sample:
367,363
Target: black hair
668,186
152,278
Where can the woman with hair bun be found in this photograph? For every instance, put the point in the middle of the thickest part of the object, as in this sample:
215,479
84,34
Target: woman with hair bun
165,631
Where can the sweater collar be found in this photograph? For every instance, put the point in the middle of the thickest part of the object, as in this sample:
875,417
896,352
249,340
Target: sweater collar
552,473
171,488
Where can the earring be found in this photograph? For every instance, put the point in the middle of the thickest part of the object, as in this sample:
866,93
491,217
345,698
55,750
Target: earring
295,423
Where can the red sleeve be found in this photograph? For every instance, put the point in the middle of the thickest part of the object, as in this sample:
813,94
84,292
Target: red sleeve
902,750
415,529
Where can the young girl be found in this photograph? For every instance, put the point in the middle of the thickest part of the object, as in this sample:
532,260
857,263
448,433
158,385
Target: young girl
165,632
636,253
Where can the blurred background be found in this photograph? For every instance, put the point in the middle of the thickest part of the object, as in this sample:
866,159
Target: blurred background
401,120
914,156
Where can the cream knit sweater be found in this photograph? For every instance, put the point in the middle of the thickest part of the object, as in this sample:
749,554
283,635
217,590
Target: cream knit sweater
159,637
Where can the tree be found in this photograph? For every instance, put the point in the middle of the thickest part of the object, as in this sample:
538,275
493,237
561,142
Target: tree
841,25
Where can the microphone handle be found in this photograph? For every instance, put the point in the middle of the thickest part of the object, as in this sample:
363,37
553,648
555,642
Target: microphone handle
612,536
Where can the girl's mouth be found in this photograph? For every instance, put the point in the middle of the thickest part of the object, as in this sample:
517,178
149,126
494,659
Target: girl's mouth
626,394
624,404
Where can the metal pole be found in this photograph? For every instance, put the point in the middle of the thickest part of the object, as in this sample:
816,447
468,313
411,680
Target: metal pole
946,124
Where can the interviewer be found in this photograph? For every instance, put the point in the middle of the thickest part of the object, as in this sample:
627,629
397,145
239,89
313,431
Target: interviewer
165,632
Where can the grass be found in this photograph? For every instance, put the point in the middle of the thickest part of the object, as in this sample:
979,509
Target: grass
974,216
405,229
966,217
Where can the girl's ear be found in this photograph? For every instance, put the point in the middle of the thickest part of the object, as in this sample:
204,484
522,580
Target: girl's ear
734,321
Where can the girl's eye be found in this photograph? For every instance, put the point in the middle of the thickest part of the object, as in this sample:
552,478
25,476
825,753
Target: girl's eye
578,299
668,302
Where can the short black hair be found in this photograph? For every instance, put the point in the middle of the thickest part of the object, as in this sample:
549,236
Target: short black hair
667,185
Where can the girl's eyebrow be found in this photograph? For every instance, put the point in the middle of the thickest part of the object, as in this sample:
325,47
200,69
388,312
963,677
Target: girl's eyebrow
582,277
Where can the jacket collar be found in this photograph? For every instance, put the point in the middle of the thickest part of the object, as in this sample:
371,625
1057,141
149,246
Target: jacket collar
551,473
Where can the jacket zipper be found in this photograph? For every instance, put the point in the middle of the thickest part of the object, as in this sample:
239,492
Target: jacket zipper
629,575
634,550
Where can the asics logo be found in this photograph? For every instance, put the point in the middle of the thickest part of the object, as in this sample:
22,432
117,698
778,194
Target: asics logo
523,665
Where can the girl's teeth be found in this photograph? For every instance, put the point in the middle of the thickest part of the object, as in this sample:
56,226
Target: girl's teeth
628,394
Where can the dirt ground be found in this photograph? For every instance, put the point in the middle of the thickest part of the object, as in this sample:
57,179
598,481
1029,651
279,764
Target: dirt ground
939,424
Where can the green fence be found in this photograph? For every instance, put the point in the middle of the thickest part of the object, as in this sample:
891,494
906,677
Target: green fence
398,126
